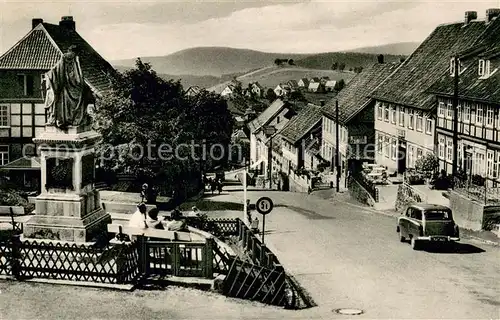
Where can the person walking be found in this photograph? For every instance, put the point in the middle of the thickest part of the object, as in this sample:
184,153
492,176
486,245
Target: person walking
219,186
213,186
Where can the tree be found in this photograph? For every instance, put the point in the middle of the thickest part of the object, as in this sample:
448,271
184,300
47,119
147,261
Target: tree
297,96
340,85
279,61
271,95
144,113
335,66
342,66
428,164
355,69
291,62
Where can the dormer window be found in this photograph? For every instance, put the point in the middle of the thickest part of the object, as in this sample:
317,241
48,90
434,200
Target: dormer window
452,67
481,67
484,68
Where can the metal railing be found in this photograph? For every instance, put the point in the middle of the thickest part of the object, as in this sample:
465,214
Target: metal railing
483,190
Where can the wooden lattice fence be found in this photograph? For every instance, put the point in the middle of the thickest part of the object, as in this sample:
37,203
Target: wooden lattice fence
248,281
64,261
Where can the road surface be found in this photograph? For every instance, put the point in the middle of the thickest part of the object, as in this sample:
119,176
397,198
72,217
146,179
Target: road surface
344,256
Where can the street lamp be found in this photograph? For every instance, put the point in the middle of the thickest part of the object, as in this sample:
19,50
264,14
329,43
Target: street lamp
269,131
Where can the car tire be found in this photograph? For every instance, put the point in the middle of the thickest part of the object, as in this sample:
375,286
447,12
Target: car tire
414,244
401,237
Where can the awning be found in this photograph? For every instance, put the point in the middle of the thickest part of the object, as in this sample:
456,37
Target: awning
23,164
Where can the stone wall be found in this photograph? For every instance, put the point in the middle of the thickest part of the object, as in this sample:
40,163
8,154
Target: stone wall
471,214
298,183
406,196
359,193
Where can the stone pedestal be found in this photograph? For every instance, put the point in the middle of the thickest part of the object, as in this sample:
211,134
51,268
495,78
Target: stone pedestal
69,207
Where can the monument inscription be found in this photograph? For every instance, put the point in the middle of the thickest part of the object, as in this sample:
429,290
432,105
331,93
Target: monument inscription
59,173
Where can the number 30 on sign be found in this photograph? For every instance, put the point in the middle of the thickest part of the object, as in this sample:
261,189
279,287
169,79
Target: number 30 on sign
264,205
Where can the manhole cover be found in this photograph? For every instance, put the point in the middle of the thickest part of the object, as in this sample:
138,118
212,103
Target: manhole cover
349,311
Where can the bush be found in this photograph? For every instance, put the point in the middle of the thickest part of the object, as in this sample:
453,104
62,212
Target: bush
14,198
478,180
427,164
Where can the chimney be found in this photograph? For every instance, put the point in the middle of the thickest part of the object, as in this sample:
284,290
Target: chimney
322,102
491,14
469,16
68,23
35,22
380,58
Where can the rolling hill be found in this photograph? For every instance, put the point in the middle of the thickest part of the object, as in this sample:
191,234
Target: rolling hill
188,80
208,66
214,61
402,48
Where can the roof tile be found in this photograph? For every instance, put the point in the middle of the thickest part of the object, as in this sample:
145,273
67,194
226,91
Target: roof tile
266,115
356,94
43,46
302,123
409,84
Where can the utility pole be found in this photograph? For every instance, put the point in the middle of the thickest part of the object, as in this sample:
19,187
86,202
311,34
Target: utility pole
245,209
270,162
455,116
270,131
337,152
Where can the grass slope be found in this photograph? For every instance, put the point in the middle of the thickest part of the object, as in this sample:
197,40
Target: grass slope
270,77
351,59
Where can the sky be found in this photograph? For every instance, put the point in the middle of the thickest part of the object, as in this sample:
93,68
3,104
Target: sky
129,29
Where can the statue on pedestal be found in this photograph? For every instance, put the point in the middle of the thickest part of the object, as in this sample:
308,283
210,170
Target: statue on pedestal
66,97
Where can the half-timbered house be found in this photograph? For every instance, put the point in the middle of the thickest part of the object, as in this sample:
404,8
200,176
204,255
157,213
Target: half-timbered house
22,70
478,150
405,107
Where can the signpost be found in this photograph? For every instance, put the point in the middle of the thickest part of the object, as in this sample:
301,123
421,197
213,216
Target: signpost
263,206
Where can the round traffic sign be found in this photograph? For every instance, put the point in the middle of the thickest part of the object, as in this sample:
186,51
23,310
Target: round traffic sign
264,205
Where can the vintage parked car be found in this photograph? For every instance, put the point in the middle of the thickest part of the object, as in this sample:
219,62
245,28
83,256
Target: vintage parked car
427,223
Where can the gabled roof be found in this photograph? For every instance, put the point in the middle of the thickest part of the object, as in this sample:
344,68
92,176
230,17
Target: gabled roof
44,46
257,85
239,134
471,86
408,85
314,79
267,115
314,85
293,83
356,94
305,81
283,86
24,163
301,124
193,90
330,83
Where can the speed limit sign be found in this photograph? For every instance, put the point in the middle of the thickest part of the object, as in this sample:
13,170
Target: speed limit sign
264,205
